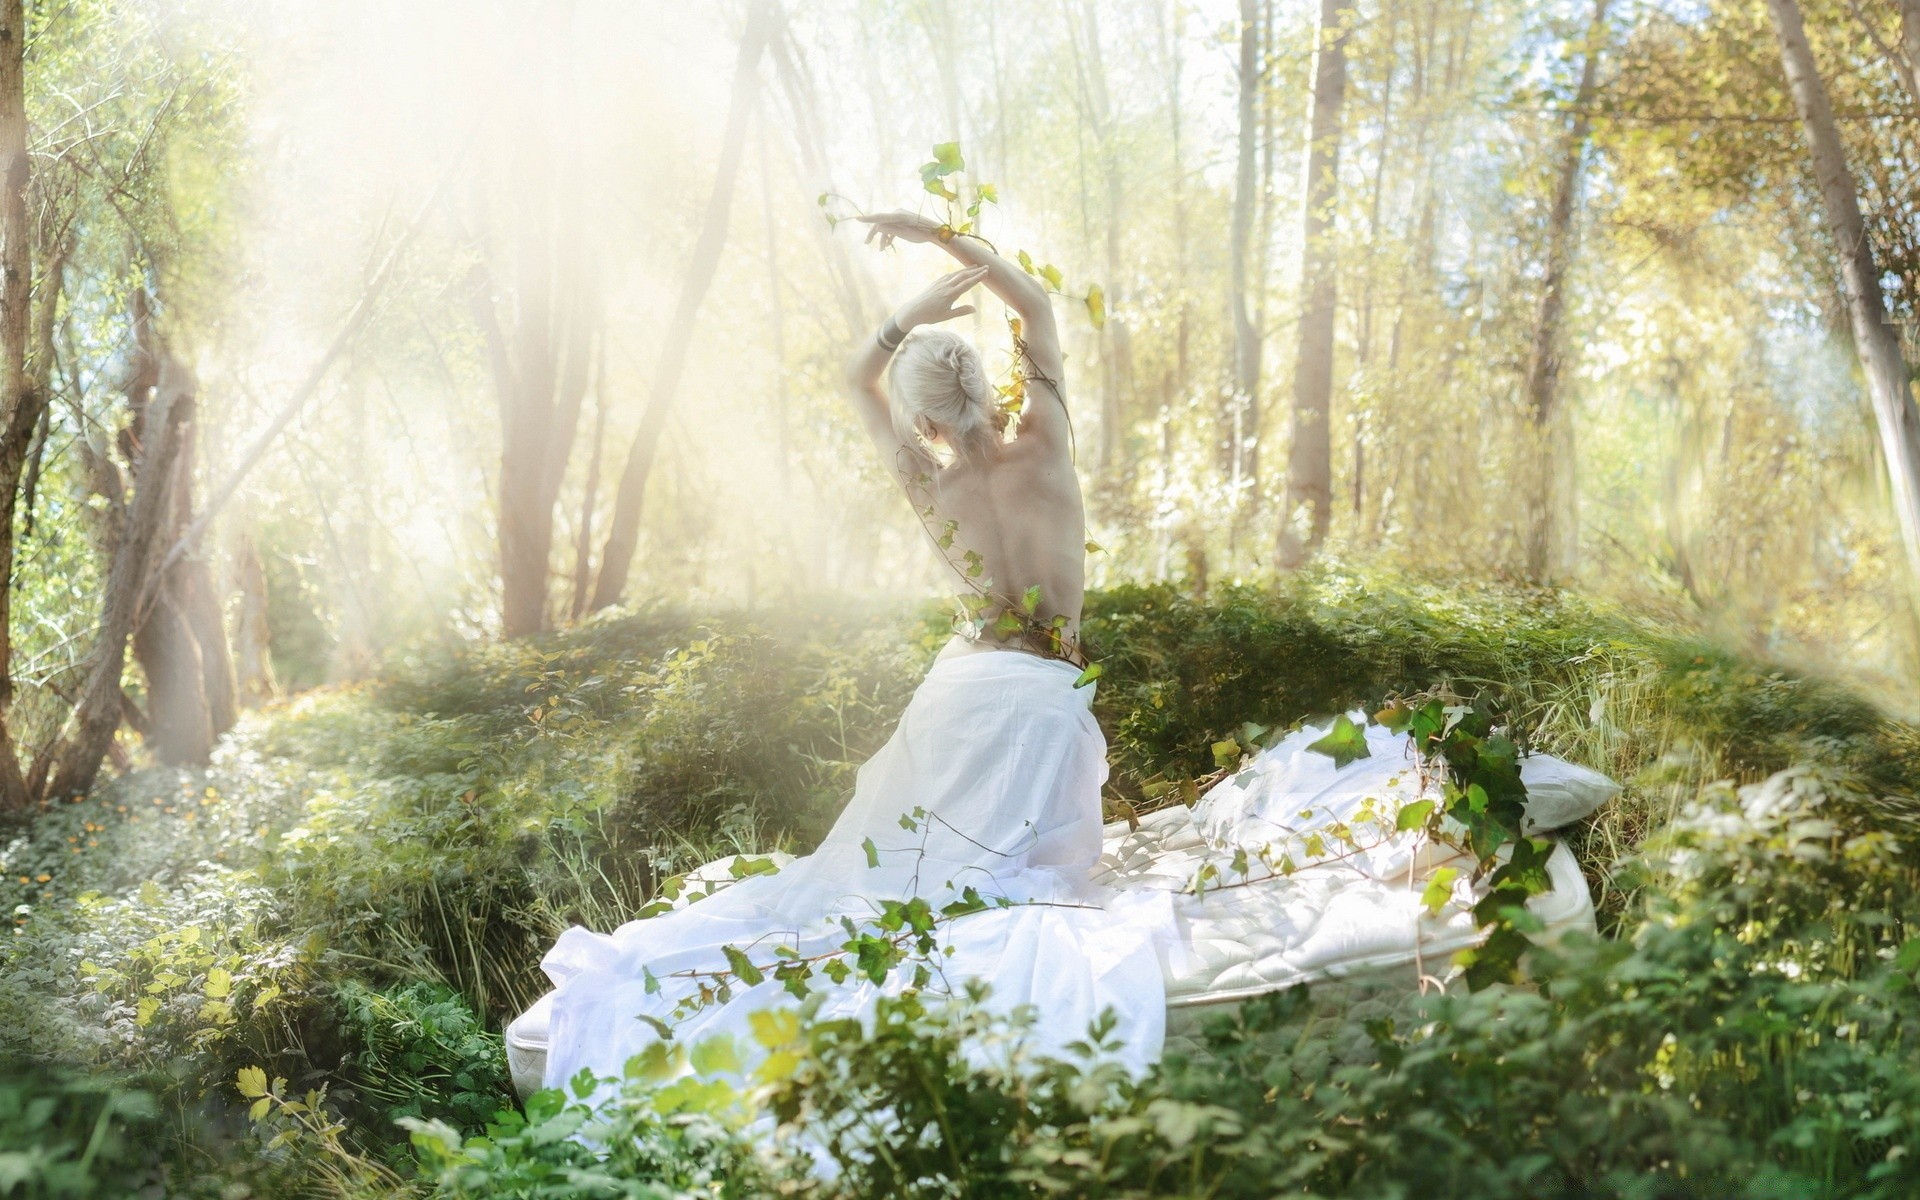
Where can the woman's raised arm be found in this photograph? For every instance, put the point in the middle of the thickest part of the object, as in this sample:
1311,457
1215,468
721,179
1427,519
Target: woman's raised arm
1019,290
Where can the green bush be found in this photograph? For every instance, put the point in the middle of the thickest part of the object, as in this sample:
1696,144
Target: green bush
66,1135
374,872
418,1051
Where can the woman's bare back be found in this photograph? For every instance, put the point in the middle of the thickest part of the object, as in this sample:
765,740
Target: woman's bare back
1022,513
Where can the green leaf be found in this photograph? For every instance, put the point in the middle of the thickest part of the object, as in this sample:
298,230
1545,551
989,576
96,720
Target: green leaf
252,1082
1225,753
715,1054
1497,960
1026,261
1093,672
1439,890
742,965
947,155
1052,275
1343,743
873,852
989,193
1395,716
1413,816
1030,599
1097,306
653,1064
1908,958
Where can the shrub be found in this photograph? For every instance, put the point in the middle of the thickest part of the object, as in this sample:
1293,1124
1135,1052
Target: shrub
417,1050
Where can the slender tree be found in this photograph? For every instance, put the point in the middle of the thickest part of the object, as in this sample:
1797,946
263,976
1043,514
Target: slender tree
1307,508
1875,339
1551,499
1242,405
161,394
533,298
20,402
1910,31
616,557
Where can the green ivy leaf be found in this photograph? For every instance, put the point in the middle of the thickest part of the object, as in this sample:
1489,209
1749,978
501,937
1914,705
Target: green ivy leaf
1413,816
1343,743
1439,889
742,966
1093,672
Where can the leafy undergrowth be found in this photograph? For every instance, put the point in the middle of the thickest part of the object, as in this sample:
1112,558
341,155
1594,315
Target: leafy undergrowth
351,901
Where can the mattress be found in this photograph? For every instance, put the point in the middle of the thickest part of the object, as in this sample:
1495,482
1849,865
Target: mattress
1247,927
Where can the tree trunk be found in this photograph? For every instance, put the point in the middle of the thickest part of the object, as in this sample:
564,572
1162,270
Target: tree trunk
1551,533
1910,36
1305,514
179,639
1874,338
540,356
851,285
590,494
616,556
1246,337
20,402
89,735
252,634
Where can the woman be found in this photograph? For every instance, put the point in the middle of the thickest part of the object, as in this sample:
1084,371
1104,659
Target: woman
988,792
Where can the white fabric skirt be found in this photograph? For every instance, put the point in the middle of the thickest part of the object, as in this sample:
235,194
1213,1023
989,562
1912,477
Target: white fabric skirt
999,755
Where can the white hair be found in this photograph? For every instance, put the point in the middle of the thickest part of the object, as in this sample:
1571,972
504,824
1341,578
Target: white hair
938,386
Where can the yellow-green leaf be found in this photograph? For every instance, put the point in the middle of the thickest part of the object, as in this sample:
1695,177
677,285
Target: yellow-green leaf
774,1027
1097,306
1225,752
716,1054
1439,890
252,1082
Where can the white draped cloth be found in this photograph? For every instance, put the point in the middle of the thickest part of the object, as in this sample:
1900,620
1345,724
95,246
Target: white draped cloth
1001,758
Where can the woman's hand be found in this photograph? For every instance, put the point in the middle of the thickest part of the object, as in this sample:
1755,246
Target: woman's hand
899,225
936,304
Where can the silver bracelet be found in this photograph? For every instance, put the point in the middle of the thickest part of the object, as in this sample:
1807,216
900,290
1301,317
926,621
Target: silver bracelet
891,327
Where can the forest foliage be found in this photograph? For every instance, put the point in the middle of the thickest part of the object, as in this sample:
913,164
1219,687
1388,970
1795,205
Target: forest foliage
357,892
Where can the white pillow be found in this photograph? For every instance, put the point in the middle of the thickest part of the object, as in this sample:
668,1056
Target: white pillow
1288,788
1560,793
